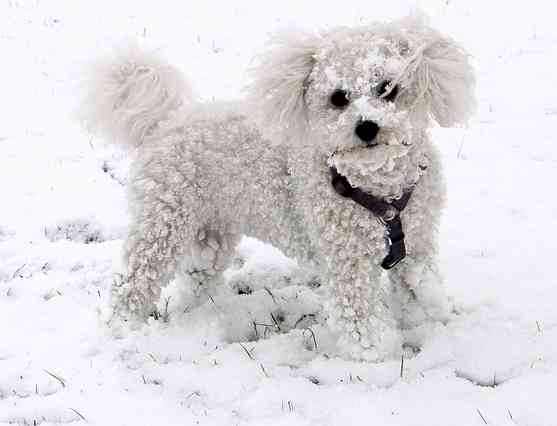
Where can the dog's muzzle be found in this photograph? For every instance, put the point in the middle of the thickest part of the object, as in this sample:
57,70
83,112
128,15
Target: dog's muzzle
367,130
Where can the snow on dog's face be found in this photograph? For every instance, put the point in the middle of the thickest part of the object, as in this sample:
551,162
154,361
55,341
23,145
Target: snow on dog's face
364,97
359,112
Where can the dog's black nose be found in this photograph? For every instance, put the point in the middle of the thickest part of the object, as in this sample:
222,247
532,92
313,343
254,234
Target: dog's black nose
366,130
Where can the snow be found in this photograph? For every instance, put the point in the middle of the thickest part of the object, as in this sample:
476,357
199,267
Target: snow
63,218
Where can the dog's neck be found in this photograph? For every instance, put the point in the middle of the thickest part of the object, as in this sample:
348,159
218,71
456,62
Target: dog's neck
387,212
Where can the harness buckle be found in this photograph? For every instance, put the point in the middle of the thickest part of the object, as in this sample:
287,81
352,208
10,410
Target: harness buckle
389,215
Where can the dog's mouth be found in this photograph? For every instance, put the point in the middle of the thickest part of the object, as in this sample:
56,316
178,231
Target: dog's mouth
385,170
369,159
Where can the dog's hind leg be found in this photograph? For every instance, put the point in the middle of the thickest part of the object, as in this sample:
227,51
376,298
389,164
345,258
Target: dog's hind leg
150,253
155,242
206,259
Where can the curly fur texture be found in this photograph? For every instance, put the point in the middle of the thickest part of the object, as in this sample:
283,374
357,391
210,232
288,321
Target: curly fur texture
204,174
129,92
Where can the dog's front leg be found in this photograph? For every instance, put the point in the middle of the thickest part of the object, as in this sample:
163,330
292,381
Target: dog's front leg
361,310
417,280
421,294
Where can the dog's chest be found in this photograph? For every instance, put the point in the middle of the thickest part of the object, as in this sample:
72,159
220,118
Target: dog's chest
344,223
338,225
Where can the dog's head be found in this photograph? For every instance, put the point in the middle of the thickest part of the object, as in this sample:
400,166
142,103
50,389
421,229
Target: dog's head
364,97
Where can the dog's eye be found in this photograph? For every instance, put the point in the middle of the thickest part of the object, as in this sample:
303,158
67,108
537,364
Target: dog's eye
384,87
340,98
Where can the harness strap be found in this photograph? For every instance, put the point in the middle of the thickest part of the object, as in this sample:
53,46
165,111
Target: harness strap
387,212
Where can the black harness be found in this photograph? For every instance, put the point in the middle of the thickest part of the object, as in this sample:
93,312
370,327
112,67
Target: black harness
388,213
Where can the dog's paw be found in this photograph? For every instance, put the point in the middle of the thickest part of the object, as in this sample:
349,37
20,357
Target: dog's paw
432,297
372,340
120,322
129,308
428,300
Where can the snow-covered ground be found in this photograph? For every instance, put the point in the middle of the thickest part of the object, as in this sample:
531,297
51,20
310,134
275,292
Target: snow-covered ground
63,217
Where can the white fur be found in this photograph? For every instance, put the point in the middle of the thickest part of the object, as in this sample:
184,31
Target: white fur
444,78
280,94
129,92
205,175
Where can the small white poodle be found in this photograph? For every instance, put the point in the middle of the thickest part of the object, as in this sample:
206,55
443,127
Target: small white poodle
339,172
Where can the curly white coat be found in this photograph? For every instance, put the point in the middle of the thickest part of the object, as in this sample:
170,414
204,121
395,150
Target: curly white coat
204,175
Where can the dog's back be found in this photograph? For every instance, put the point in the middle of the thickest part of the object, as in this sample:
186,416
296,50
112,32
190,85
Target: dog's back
223,165
227,173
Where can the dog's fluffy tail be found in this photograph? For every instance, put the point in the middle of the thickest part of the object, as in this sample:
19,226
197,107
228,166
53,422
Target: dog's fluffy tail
129,93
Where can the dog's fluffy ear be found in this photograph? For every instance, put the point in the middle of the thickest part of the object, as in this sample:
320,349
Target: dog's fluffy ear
443,77
279,82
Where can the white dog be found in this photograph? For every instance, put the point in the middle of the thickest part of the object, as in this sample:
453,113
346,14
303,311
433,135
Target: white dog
345,117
